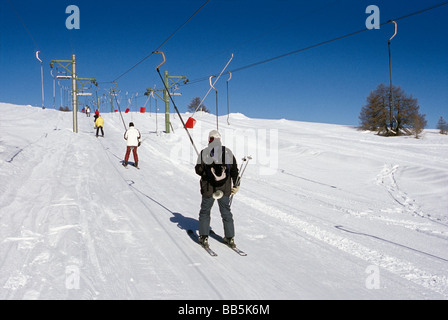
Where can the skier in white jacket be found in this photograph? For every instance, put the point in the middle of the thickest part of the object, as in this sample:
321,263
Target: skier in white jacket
133,136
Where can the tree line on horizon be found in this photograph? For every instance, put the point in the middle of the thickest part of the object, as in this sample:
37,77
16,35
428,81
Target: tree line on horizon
378,115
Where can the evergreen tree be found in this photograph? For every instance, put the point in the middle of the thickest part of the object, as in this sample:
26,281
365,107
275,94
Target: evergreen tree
442,126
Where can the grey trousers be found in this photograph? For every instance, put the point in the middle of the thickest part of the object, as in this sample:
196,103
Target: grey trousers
226,215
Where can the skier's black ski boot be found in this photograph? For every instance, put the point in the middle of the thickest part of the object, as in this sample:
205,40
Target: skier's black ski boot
230,242
203,240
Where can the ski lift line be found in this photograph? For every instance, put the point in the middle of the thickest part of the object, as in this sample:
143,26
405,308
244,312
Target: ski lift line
172,100
24,25
149,97
119,109
289,53
217,118
230,78
178,113
42,77
396,30
228,106
37,56
165,41
323,43
212,86
164,59
54,89
391,90
210,81
286,54
419,12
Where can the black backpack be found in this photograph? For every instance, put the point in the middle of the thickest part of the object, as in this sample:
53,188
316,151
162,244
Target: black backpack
218,172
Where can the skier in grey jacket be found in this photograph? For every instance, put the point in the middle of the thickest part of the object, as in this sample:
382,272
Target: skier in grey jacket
218,169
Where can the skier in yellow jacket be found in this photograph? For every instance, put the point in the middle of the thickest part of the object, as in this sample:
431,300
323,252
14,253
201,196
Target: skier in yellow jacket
99,122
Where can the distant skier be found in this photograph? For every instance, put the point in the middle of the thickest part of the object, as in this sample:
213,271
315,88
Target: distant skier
99,123
88,111
218,169
97,114
134,138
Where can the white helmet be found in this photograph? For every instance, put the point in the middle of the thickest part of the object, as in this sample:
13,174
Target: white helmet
214,134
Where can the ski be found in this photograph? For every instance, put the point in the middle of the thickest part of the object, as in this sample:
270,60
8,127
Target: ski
239,251
132,165
210,251
193,235
221,239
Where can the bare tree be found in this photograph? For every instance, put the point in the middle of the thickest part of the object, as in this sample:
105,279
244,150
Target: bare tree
403,119
195,103
373,115
419,123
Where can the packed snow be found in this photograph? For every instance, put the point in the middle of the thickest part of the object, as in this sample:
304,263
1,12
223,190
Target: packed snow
324,211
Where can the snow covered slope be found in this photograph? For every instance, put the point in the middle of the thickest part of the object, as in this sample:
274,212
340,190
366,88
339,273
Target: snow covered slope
324,212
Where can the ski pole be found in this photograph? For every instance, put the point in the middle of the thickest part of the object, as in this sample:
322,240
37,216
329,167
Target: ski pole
246,162
240,176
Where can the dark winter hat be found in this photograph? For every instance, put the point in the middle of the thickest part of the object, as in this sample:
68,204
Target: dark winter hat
131,124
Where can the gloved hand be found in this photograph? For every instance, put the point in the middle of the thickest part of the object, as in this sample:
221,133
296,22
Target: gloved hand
235,190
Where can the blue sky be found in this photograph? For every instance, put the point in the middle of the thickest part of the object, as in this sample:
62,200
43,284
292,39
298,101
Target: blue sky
326,84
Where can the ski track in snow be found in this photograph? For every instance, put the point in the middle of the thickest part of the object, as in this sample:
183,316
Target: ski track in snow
402,268
387,179
70,208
